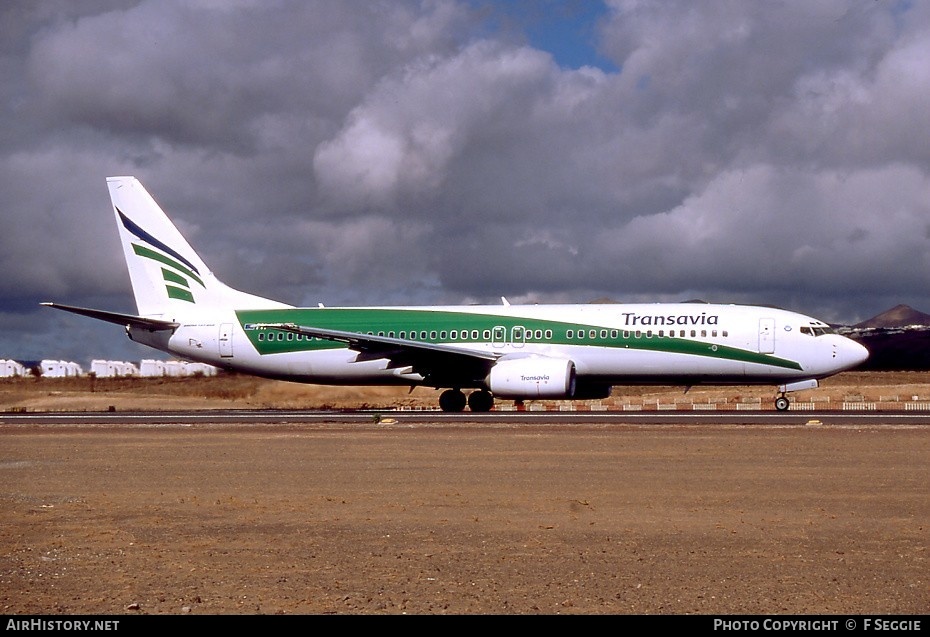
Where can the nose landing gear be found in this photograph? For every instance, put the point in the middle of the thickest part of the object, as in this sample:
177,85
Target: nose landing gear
782,403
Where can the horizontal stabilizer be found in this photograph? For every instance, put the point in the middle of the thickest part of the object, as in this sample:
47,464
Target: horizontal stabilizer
129,320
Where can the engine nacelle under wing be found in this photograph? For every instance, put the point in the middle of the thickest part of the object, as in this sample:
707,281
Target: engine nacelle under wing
533,377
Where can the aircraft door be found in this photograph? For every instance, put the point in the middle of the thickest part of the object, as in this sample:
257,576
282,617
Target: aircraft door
766,336
225,340
498,336
517,336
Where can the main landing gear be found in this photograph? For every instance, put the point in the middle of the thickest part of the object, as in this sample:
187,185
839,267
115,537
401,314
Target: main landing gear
454,400
782,403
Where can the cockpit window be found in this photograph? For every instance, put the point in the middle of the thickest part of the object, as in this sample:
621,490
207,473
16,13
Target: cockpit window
817,330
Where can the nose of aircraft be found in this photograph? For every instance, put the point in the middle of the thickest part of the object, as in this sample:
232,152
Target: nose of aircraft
851,354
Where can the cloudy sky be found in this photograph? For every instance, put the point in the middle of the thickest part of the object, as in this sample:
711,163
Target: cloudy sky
454,151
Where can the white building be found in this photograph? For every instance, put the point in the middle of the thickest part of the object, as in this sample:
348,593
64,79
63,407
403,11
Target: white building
150,367
101,368
193,369
12,369
113,369
60,369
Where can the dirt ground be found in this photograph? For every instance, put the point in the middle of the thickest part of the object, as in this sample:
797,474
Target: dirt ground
480,518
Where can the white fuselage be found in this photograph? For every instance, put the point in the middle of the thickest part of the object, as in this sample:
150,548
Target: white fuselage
685,343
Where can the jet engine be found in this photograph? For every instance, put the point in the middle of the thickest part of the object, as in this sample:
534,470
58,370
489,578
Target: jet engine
532,377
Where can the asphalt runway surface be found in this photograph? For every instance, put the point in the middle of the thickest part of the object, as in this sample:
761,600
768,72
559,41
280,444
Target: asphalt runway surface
427,513
382,417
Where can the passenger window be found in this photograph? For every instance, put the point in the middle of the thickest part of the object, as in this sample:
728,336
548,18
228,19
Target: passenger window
570,334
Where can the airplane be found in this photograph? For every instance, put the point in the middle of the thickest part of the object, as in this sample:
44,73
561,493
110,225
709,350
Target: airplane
506,352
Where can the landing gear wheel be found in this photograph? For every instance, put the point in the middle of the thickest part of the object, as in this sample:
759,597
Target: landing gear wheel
480,400
452,400
782,403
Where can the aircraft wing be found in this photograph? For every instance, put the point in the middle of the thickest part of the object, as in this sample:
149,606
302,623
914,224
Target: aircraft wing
126,320
435,361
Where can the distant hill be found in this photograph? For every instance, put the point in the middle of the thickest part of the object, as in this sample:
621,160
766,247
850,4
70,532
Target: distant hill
898,316
895,340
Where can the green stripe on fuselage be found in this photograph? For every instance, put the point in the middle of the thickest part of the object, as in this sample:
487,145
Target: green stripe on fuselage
440,326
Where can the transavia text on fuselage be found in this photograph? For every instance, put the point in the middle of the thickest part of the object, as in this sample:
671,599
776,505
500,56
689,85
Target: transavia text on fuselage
632,319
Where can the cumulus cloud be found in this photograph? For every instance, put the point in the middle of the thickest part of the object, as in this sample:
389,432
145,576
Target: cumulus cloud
403,138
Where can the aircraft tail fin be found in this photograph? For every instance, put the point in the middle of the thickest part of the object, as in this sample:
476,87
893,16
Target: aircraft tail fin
168,276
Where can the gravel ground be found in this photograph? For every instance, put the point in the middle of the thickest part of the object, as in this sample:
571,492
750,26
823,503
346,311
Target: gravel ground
464,519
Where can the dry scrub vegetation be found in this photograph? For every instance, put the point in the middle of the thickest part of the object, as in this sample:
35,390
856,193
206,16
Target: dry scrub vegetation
226,391
233,391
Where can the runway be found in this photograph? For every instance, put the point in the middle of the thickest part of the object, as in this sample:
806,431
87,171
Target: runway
384,419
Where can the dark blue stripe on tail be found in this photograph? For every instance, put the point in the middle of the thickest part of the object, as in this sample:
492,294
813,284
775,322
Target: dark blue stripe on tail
131,226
